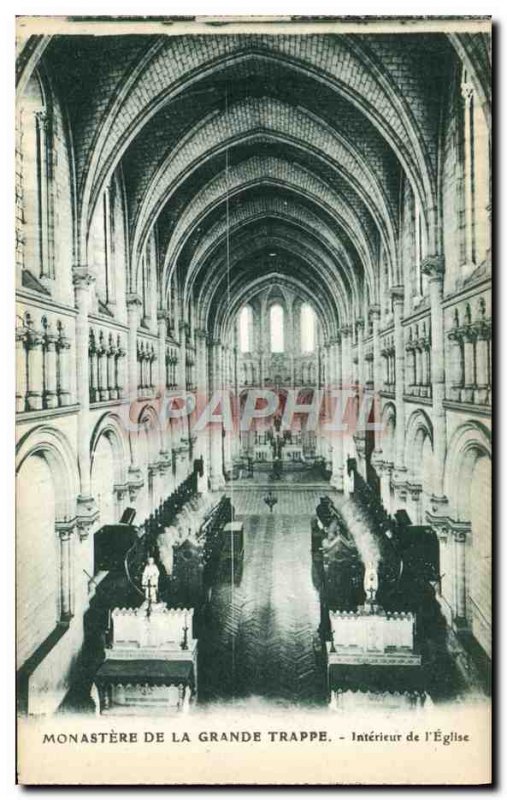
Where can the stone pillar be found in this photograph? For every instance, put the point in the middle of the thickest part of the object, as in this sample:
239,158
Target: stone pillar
469,363
227,437
50,391
21,383
261,367
377,372
460,582
467,91
102,368
346,397
419,364
215,430
336,436
121,378
455,368
134,305
65,532
162,336
93,392
399,476
482,362
64,388
34,356
329,367
87,509
360,355
111,371
433,267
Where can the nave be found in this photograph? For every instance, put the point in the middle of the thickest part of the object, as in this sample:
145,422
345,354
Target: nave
263,634
224,245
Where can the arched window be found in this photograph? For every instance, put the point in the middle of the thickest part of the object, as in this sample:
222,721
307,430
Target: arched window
307,329
245,329
421,281
276,329
35,167
475,174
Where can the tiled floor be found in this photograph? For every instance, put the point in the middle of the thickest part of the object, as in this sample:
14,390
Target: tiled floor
263,633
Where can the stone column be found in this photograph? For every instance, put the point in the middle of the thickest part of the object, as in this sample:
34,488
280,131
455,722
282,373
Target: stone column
347,389
21,383
227,438
329,372
215,430
433,267
134,305
34,356
201,447
469,363
162,337
399,476
336,436
102,368
455,368
467,91
460,582
93,392
120,379
87,509
261,367
360,354
419,364
65,532
399,376
482,362
50,391
111,376
64,387
377,372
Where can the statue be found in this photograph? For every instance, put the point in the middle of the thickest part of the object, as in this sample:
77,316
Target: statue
150,581
370,583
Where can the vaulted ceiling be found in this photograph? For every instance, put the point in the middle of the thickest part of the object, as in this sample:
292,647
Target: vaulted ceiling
258,157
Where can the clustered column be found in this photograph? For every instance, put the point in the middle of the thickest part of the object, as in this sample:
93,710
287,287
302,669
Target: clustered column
434,269
215,430
87,510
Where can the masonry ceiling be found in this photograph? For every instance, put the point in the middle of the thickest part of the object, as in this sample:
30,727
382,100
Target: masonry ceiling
231,147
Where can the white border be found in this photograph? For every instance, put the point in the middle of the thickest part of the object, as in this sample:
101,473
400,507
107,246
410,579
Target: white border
158,7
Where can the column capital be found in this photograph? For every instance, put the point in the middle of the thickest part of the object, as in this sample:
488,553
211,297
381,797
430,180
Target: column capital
135,482
433,267
63,342
345,330
65,529
87,515
82,276
467,91
43,119
162,315
201,334
133,300
374,312
397,293
34,338
360,323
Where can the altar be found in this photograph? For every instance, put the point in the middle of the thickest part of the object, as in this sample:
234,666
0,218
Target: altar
372,652
288,453
151,665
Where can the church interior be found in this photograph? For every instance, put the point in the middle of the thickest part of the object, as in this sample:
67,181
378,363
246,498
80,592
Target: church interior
253,389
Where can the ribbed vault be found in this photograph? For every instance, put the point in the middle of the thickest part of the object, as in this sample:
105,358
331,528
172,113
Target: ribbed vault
230,148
